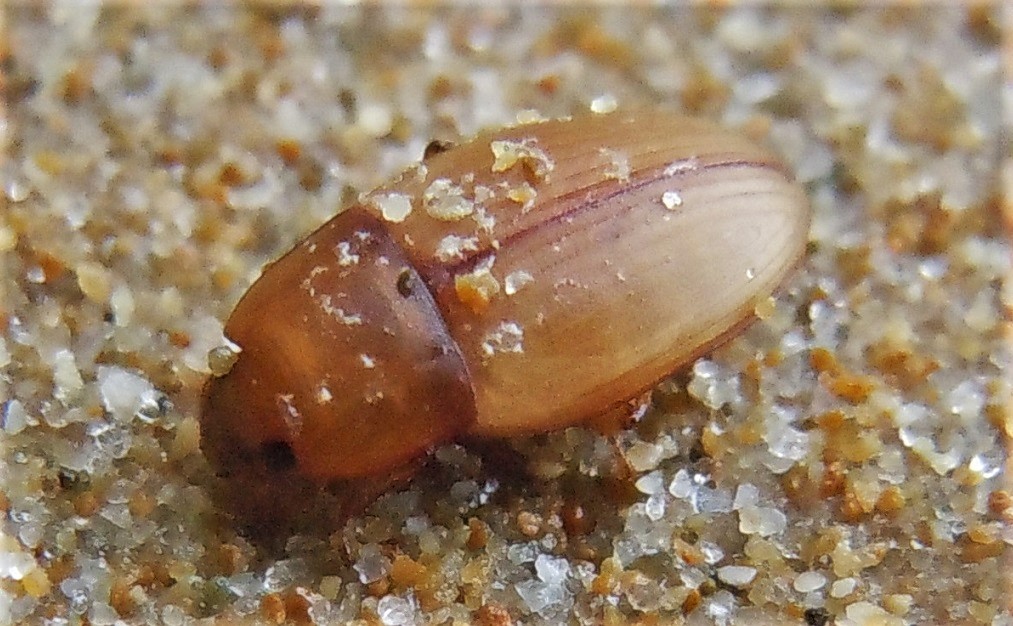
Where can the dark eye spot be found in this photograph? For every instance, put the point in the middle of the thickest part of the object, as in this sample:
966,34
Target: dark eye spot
404,283
278,456
434,147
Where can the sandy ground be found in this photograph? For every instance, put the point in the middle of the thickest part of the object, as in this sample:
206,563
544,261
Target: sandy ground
842,462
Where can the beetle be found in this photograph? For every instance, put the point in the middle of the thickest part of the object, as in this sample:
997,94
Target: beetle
526,280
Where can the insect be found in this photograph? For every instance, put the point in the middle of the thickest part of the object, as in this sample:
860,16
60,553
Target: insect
529,279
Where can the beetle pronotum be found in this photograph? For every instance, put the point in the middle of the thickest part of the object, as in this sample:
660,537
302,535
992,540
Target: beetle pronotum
529,279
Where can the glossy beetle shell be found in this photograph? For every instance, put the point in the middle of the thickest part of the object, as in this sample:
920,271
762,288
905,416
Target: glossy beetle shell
526,280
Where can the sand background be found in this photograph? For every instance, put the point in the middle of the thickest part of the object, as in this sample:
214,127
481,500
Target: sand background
841,462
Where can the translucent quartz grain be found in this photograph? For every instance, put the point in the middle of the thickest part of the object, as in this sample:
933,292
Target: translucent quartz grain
736,575
763,521
809,581
396,611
